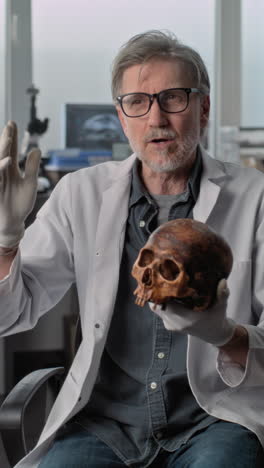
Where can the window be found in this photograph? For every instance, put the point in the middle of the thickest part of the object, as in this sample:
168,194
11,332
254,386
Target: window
252,63
2,63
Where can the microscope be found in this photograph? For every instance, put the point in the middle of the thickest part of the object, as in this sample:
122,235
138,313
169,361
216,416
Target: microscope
35,129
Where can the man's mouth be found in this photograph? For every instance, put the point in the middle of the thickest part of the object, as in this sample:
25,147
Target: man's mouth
160,140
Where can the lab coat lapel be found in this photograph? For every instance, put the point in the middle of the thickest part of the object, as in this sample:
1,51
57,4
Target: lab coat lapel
112,217
213,177
114,209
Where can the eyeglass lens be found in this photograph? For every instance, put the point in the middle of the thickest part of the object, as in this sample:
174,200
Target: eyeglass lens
137,104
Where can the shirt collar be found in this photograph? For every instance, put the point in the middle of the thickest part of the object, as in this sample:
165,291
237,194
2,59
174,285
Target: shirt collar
138,190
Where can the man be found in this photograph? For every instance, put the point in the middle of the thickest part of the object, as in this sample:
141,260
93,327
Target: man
129,398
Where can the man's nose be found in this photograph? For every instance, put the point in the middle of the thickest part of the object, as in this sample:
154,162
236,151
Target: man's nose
157,117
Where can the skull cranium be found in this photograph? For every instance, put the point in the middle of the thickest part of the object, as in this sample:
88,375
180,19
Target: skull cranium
184,260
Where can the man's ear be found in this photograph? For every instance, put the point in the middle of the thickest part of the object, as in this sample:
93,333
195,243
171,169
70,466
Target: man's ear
122,119
205,109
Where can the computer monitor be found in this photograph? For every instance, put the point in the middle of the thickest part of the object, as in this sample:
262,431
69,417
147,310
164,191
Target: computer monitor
91,127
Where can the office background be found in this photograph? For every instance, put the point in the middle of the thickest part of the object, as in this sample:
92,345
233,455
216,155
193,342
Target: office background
66,47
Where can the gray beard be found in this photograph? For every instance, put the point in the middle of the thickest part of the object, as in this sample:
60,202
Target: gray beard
175,160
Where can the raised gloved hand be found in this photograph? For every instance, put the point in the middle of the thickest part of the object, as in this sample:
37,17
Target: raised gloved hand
211,325
17,191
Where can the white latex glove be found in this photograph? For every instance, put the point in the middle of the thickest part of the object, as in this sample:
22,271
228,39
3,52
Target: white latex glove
17,191
209,325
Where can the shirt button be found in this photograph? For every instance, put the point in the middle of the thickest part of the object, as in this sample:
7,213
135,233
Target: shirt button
142,223
159,435
161,355
153,385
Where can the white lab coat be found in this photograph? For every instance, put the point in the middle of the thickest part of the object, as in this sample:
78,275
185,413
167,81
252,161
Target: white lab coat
79,235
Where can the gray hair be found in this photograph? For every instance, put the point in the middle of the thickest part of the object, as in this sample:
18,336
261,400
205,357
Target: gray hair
158,44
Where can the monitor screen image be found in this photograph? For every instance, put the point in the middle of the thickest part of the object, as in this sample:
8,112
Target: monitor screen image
92,126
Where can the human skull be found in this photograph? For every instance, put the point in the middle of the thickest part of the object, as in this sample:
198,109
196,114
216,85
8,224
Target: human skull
182,260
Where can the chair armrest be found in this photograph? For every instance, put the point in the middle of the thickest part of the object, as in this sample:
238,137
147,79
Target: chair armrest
13,409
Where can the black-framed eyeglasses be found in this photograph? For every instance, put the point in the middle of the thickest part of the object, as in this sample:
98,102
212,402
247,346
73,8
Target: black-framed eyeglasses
172,100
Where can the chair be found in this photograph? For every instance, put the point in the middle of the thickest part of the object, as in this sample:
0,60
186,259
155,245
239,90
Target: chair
26,408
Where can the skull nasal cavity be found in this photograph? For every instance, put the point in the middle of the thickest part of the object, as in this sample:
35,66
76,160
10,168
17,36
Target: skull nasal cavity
147,277
147,257
169,270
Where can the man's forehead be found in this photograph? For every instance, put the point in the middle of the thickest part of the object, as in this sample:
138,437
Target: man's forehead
158,67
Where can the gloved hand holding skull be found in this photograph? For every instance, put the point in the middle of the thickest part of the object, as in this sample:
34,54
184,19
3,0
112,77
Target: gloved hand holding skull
181,271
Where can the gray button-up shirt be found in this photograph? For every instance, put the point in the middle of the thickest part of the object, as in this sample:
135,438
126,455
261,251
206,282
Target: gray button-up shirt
142,401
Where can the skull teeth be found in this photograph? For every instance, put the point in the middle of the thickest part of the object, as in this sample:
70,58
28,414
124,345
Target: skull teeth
140,301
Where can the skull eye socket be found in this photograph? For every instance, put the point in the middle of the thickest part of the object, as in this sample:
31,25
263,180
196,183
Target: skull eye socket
147,257
169,270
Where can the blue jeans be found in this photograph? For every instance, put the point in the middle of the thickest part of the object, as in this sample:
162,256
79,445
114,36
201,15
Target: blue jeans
221,445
